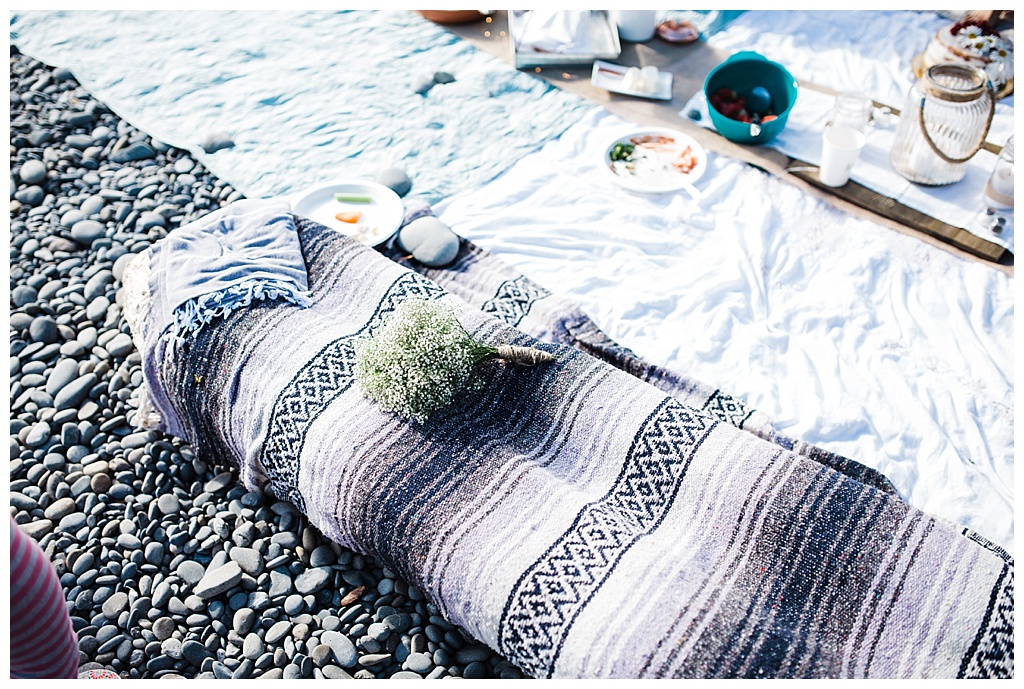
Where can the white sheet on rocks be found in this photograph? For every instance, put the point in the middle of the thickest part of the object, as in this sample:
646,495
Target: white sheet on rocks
852,336
862,340
306,96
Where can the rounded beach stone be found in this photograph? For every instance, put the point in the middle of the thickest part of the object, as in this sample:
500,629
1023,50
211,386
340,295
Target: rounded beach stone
30,196
475,670
190,571
168,503
43,329
92,205
252,646
430,241
294,604
163,628
23,294
64,371
322,556
115,605
71,217
194,652
345,653
243,620
423,84
100,483
120,345
148,220
278,631
33,172
219,580
87,231
60,509
395,179
74,392
472,654
38,434
312,580
444,77
215,141
78,141
419,662
137,150
248,559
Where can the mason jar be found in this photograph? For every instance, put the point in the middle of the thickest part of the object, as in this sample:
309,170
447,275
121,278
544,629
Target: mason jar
944,122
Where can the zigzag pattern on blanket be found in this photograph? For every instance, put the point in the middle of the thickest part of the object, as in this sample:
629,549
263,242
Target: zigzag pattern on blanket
488,283
550,595
316,385
534,510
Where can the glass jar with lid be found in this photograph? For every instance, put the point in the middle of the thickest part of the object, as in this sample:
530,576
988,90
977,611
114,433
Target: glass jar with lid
944,122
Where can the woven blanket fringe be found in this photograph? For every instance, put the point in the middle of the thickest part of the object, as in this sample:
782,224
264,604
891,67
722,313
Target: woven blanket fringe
192,315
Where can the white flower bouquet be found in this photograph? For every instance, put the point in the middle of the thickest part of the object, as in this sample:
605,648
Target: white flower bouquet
417,360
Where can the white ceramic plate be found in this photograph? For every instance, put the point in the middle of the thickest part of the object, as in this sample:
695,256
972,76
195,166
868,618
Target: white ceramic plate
662,160
379,218
611,77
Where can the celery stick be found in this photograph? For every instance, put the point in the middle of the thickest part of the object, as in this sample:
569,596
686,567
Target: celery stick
353,198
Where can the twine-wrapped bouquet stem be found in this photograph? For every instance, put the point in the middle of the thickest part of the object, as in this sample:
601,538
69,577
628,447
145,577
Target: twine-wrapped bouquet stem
421,355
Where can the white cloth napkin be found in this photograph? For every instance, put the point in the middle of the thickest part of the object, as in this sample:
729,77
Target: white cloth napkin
552,31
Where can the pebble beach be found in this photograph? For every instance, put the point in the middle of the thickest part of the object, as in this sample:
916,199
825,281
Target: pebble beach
170,567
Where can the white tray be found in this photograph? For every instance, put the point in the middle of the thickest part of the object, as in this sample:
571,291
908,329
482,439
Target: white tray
610,76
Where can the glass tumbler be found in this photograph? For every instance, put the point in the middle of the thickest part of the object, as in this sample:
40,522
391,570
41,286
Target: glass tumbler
999,188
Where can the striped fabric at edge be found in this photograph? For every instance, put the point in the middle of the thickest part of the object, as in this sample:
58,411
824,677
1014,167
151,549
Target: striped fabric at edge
43,641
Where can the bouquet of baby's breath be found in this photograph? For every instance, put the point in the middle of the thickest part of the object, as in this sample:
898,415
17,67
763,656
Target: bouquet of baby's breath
417,360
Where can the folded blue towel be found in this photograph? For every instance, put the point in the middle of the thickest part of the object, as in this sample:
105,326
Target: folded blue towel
246,252
223,262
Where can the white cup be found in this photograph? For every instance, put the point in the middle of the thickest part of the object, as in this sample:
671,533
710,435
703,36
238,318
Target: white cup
840,148
635,25
999,188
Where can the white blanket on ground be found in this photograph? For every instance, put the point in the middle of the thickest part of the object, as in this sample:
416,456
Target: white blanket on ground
306,96
853,337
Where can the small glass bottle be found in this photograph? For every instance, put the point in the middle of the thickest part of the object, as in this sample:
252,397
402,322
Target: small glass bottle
944,122
851,109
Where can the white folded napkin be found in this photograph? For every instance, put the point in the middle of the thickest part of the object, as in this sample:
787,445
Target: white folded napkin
552,31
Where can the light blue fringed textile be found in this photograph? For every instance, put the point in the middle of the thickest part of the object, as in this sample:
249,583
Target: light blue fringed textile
224,261
244,253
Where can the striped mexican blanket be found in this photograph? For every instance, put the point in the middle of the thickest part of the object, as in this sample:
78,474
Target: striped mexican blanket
577,519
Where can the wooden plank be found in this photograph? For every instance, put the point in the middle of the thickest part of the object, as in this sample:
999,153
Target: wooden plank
690,64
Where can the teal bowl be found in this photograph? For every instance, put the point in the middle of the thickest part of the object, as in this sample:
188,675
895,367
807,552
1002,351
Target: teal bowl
742,72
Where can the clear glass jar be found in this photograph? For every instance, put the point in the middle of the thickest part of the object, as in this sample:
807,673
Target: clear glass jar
944,122
999,188
851,109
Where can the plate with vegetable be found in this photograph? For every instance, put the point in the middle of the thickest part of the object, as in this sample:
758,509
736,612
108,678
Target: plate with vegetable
367,211
656,160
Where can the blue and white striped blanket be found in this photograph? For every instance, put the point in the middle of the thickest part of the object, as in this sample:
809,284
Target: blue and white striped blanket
546,501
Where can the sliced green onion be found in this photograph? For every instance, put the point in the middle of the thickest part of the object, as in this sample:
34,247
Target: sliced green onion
353,198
